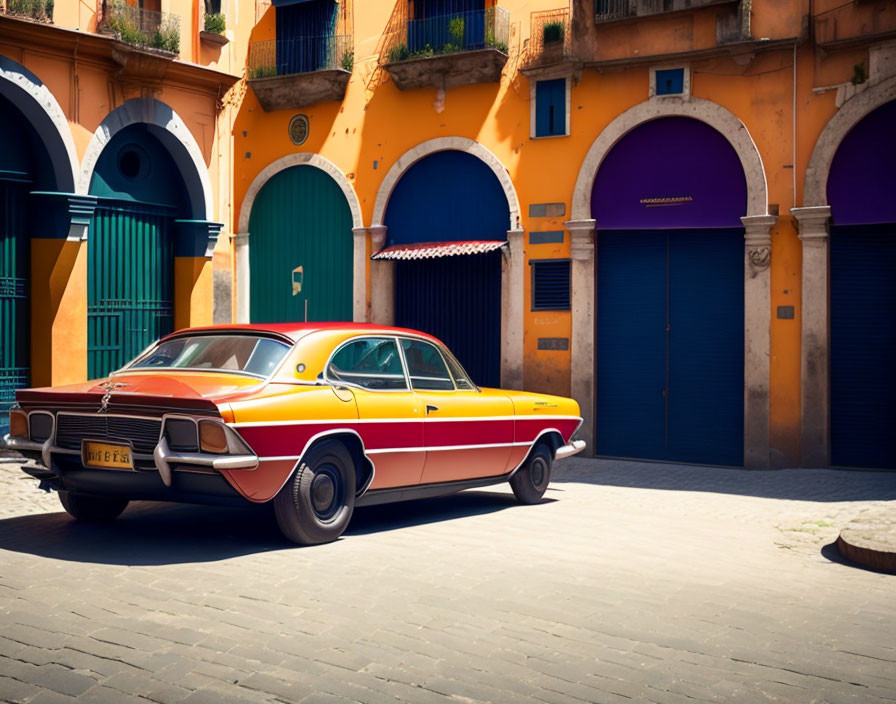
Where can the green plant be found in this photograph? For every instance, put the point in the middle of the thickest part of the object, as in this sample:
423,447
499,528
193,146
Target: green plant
35,9
490,36
126,30
552,32
49,6
502,47
348,61
456,30
859,75
167,37
398,53
263,72
215,22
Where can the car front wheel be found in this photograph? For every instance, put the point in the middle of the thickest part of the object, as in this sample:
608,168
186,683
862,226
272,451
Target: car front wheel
531,480
92,509
316,504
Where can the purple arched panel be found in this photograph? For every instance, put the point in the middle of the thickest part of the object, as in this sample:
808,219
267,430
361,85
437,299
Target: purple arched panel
862,180
674,172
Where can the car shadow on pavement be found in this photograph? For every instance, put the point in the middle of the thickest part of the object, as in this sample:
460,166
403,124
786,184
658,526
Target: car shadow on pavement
151,533
824,485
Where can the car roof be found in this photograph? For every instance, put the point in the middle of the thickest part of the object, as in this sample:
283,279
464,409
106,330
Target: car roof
295,331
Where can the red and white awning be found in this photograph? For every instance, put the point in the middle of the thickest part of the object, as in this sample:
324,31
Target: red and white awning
433,250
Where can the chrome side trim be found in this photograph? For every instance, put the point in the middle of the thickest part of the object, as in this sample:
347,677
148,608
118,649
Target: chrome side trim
574,447
463,419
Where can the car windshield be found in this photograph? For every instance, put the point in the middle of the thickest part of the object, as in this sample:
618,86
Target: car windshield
250,354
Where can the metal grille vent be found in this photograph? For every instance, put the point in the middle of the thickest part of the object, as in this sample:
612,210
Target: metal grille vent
72,429
550,285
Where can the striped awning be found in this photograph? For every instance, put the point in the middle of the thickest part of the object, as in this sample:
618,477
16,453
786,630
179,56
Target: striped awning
434,250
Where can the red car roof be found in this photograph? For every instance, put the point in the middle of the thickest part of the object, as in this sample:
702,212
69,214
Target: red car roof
297,330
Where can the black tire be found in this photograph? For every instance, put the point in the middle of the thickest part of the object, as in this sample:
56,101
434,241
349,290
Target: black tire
531,480
92,509
316,503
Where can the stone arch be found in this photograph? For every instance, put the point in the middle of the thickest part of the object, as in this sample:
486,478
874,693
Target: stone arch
851,112
167,126
440,144
706,111
300,159
40,108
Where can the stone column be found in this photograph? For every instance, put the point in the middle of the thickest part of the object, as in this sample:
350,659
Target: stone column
757,338
582,240
512,304
241,257
815,432
359,275
382,281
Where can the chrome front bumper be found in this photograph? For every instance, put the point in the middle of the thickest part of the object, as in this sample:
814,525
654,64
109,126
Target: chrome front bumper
574,447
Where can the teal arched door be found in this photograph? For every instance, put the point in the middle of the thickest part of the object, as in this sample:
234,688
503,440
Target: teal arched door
130,264
300,261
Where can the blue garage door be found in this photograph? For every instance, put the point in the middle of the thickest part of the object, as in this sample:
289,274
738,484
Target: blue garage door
863,346
670,345
457,299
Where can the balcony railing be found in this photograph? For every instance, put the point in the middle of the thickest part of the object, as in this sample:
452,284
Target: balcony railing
611,10
448,34
145,28
287,57
549,39
40,10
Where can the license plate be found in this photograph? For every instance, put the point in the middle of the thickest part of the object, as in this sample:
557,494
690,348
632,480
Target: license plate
106,456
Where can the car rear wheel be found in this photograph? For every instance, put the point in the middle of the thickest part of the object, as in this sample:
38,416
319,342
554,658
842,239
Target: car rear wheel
316,504
92,509
531,480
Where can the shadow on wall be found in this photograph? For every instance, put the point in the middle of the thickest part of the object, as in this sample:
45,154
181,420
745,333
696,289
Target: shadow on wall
150,533
822,485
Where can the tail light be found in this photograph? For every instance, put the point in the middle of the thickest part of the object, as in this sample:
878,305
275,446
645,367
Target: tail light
18,424
212,437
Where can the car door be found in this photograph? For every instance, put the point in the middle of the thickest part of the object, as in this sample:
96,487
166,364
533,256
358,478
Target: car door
467,433
390,415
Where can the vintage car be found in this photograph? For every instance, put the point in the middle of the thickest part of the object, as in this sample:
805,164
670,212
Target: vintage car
317,418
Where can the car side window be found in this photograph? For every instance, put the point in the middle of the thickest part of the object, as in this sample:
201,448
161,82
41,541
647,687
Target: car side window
370,362
426,367
461,378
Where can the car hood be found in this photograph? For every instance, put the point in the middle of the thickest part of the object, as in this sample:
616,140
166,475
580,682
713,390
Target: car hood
181,390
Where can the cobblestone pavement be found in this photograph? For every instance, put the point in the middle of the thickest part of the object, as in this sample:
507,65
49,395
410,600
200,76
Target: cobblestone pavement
633,581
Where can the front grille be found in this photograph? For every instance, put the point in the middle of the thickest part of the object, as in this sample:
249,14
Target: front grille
143,433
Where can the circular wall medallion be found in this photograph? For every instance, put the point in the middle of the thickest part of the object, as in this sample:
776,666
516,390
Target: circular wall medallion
298,129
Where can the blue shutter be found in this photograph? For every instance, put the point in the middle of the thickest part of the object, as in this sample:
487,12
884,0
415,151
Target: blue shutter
550,284
550,108
863,346
670,81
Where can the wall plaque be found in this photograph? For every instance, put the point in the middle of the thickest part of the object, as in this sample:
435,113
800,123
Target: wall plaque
298,129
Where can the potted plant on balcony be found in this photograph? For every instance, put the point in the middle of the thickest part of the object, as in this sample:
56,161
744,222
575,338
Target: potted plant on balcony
214,28
552,34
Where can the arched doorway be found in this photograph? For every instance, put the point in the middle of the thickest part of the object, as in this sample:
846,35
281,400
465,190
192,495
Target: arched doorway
670,295
860,188
301,258
130,266
447,218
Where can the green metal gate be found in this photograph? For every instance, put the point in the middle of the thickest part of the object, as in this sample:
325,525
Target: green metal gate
130,282
14,323
300,249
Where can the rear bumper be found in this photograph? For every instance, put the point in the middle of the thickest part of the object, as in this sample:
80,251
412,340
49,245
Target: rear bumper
573,447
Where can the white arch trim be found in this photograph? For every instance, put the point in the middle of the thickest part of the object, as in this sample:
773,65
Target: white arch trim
441,144
300,159
704,110
851,112
25,90
170,129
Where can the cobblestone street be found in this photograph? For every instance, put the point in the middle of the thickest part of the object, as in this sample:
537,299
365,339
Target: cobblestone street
633,581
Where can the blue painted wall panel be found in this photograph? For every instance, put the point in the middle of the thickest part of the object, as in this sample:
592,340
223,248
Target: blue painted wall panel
863,346
447,196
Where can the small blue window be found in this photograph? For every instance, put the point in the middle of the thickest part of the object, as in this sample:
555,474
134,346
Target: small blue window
670,81
550,108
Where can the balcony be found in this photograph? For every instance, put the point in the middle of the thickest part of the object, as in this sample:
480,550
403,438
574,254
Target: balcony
838,25
615,10
456,49
159,31
550,42
39,10
292,73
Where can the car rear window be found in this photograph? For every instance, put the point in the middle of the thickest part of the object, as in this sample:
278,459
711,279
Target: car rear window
249,354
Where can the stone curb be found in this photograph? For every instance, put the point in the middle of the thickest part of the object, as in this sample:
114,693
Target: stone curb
870,540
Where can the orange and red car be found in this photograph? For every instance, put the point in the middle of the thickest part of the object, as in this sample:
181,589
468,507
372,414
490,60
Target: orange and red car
317,418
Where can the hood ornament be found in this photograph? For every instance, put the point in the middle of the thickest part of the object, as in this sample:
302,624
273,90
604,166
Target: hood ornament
109,386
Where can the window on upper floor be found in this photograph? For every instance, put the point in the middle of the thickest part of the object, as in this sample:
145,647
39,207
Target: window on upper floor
675,81
550,113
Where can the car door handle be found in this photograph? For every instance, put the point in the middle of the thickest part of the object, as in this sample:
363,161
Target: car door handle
430,409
